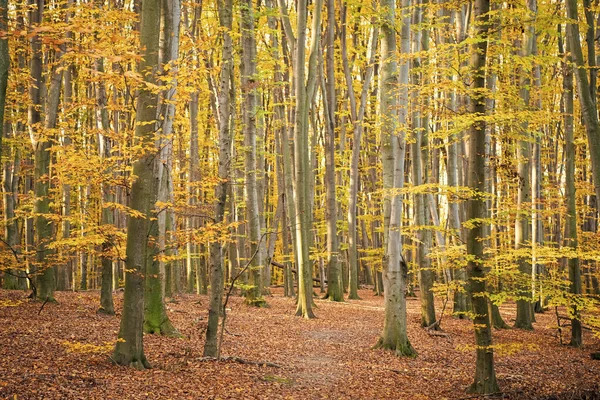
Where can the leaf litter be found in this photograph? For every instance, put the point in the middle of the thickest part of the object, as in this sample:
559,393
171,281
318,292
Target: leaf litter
64,353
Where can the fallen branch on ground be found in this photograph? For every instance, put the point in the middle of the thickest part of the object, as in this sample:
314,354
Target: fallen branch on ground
432,332
242,361
42,307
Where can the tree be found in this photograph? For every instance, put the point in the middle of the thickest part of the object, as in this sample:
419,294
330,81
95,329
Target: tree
589,109
305,82
249,114
225,136
107,219
155,313
393,124
335,291
420,174
571,199
485,376
140,250
523,224
357,113
46,279
4,64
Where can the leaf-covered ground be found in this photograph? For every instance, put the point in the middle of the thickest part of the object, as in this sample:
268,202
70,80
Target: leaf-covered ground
62,352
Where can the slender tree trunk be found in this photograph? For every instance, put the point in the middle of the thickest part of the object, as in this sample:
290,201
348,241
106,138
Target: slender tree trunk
302,171
250,107
485,376
523,224
334,285
358,129
571,199
44,228
11,229
4,64
420,171
107,219
225,137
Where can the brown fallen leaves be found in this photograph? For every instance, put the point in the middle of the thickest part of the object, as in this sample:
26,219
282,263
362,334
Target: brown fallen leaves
63,353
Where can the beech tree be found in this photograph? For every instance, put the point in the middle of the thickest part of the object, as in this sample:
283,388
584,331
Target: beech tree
141,251
485,376
216,249
305,84
249,115
393,118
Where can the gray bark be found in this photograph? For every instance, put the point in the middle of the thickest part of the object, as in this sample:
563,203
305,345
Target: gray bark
225,133
394,336
139,250
249,114
485,376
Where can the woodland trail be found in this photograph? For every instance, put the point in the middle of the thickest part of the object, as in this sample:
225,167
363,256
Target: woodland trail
63,353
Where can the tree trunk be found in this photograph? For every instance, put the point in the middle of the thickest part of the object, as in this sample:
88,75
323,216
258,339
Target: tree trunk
571,200
523,224
107,219
140,251
44,228
334,285
589,110
302,171
11,229
225,136
249,111
358,129
393,117
10,282
485,376
420,171
155,313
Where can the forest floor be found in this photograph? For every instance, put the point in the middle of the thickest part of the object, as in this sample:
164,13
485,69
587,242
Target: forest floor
63,352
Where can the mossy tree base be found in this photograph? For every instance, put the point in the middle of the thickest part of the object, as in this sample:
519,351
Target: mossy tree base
164,329
402,348
259,302
337,297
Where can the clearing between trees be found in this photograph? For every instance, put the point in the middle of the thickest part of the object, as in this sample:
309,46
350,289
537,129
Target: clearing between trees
63,352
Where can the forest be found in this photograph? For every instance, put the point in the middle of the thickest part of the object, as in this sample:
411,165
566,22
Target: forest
299,199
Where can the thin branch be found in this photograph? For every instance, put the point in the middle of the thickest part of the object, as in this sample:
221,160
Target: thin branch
231,285
42,307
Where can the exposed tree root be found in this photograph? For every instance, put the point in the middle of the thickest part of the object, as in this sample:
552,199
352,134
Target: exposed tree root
401,349
103,311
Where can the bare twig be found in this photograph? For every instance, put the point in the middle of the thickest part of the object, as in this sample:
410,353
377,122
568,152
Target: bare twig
27,276
231,286
231,333
437,323
558,325
42,307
